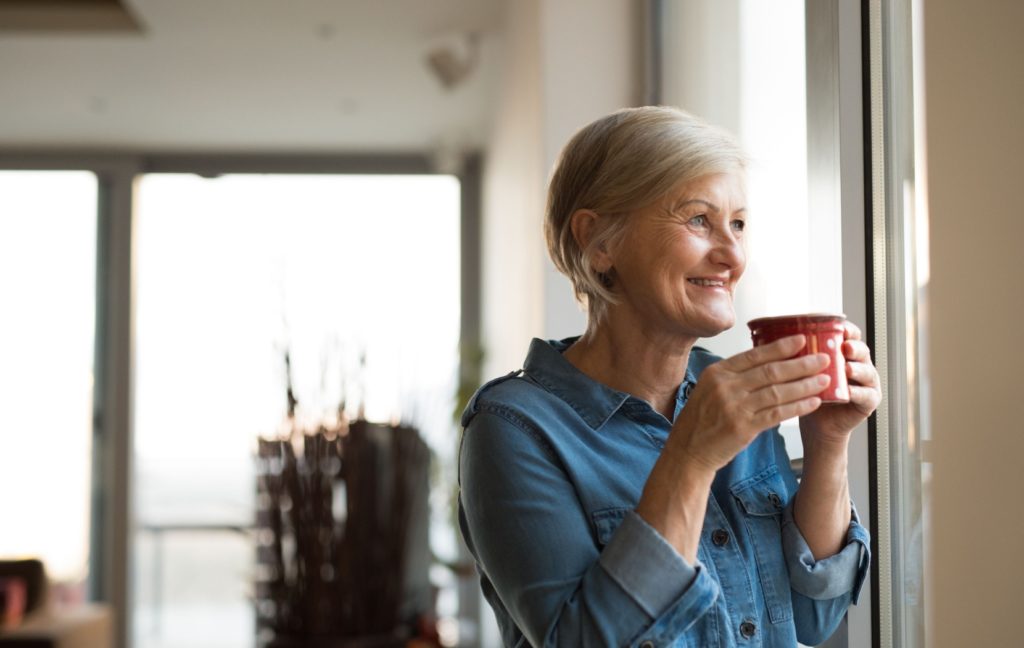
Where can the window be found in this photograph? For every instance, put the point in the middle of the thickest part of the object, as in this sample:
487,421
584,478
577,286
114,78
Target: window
900,295
357,278
48,291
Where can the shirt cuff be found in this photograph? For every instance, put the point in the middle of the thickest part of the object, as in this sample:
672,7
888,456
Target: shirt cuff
833,576
646,566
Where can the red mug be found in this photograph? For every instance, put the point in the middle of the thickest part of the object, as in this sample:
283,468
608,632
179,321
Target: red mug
825,334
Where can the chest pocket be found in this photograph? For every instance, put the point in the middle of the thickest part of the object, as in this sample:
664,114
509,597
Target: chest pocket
761,499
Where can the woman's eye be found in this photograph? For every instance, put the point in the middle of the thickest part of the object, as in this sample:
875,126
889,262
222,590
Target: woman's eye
699,221
739,225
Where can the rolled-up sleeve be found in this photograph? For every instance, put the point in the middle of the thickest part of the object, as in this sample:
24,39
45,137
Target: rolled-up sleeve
670,590
533,541
824,589
842,573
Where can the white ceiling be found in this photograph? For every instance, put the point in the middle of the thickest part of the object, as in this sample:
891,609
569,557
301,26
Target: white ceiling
243,75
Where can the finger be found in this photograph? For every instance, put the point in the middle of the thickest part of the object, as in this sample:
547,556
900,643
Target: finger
780,349
851,331
784,371
866,399
862,374
775,395
772,416
856,351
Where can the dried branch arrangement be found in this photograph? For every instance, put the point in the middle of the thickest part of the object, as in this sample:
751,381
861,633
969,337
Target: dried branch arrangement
334,518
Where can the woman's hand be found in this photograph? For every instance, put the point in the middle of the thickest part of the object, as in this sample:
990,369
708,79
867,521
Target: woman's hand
740,396
832,424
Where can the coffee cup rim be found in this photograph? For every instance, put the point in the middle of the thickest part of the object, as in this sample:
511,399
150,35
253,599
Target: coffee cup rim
803,318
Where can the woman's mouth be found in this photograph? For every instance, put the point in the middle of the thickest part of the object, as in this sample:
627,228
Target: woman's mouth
708,283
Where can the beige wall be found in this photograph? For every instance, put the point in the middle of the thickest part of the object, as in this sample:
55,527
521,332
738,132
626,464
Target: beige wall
974,102
590,69
512,247
567,62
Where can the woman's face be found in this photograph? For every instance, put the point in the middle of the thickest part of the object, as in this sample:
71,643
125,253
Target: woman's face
679,260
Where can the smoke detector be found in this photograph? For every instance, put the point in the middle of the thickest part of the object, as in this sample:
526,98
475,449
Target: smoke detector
453,60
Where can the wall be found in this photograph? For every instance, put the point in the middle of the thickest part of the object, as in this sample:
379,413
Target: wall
567,62
513,205
590,69
974,91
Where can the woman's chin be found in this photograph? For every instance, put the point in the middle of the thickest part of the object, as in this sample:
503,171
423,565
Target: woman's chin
714,324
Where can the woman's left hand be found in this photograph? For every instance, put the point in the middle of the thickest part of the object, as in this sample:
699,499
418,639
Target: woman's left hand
834,422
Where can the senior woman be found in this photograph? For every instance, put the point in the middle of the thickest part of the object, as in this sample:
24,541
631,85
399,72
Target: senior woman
629,488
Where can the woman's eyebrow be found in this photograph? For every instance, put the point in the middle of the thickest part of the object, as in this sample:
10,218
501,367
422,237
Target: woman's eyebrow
711,206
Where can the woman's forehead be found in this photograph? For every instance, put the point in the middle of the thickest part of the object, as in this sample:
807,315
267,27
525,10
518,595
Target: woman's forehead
716,190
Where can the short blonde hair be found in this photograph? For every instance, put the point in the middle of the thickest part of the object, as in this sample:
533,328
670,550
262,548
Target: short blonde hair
617,164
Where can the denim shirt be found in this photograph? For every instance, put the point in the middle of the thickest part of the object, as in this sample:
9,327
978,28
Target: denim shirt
552,465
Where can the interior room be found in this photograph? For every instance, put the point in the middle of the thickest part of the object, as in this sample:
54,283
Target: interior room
257,258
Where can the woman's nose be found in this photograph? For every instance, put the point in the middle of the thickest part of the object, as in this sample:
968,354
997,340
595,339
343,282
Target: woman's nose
728,250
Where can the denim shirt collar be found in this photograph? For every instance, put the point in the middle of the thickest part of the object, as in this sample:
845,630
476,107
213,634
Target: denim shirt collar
593,401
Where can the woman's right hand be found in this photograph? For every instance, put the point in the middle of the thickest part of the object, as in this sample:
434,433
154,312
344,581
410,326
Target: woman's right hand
736,398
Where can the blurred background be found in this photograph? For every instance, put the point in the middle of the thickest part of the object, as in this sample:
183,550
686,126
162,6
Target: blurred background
256,255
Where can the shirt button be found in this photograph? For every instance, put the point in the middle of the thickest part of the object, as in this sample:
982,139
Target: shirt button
775,500
719,537
688,389
748,629
647,644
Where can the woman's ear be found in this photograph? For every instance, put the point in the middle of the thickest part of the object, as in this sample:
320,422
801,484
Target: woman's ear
584,225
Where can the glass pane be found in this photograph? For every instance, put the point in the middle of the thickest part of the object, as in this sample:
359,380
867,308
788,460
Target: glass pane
175,605
356,277
48,293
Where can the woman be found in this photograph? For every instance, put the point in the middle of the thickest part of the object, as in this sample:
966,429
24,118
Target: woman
629,488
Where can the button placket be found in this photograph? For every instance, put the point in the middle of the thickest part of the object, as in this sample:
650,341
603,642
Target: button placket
735,576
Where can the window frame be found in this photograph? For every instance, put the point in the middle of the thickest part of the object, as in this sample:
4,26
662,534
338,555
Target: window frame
899,335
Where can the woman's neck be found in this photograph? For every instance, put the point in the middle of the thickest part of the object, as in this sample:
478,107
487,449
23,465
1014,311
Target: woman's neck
633,360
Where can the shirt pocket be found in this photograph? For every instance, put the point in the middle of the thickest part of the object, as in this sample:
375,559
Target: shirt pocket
761,499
